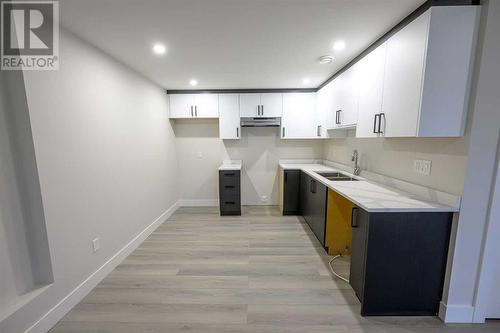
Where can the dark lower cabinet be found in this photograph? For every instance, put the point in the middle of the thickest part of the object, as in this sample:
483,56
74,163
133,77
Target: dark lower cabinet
229,192
359,224
398,261
313,200
291,192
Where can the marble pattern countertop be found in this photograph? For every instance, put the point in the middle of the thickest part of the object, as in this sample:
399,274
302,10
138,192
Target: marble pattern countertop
230,165
369,195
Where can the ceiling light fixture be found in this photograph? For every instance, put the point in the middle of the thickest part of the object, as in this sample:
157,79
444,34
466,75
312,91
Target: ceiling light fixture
193,82
306,80
339,45
159,49
326,59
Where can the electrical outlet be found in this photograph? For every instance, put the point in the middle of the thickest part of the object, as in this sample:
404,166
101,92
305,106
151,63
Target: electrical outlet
95,245
422,167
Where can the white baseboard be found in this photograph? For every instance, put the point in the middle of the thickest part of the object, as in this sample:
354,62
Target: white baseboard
198,203
456,313
67,303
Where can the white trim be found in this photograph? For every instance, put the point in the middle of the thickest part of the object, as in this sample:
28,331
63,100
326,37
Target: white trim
55,314
198,203
456,313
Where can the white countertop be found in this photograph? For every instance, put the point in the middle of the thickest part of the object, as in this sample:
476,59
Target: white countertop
368,195
230,165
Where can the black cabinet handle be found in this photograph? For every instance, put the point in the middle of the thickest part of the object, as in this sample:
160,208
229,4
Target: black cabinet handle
283,132
191,111
229,186
338,117
354,217
196,110
262,110
230,202
312,186
380,122
375,123
228,174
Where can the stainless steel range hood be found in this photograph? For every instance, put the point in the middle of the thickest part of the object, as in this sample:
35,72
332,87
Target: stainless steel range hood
261,122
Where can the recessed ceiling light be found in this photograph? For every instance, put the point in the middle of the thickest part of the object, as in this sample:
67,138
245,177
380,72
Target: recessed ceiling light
159,49
326,59
339,45
193,82
306,80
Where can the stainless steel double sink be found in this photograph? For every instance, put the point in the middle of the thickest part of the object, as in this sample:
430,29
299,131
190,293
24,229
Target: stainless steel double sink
336,176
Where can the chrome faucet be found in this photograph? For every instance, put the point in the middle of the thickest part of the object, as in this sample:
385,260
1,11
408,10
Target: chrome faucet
354,158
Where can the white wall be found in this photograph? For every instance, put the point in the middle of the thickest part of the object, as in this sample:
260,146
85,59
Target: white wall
15,267
107,166
260,149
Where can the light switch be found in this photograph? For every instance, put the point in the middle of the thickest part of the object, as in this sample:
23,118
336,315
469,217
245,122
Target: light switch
422,167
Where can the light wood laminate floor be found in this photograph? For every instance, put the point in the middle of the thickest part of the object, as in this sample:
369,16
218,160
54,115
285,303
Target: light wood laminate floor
258,273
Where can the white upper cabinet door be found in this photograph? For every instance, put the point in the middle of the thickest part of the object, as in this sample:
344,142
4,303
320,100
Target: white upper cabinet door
229,116
272,105
333,104
371,88
206,105
323,109
181,106
347,98
250,105
403,79
299,116
448,66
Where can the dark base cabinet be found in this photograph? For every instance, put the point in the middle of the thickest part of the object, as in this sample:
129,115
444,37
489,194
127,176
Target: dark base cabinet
291,192
229,192
398,261
313,200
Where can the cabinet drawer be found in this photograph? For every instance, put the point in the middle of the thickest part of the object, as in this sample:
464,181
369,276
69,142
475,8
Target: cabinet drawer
229,193
229,178
230,205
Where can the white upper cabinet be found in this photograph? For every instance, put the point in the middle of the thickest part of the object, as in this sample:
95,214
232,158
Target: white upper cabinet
427,74
206,105
345,98
181,106
338,101
324,109
371,87
403,79
448,66
229,116
250,105
261,105
272,105
194,106
299,119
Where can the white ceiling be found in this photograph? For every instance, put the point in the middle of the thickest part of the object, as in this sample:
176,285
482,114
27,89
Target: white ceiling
233,43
